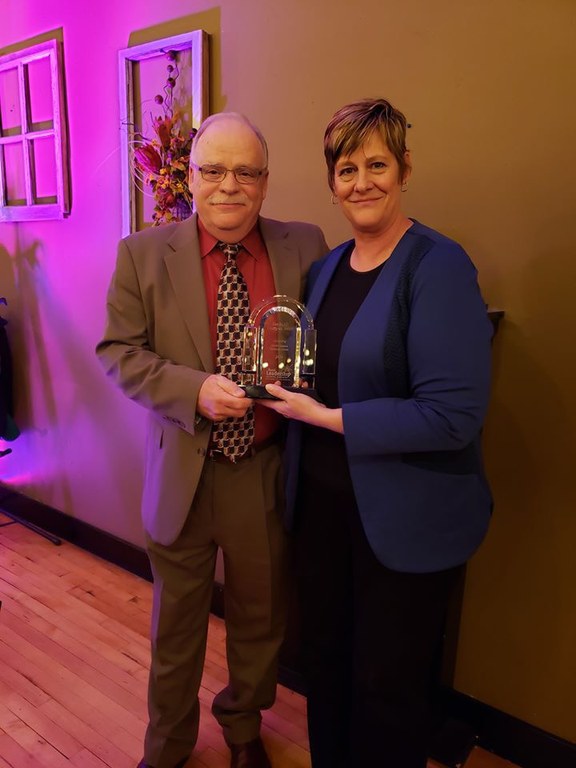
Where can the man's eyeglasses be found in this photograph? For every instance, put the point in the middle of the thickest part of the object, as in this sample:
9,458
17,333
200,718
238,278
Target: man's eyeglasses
243,174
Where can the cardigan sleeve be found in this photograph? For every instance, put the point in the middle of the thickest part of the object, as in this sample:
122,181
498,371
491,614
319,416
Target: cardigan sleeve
448,353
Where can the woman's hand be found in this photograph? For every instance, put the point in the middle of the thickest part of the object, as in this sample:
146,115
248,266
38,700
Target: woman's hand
293,405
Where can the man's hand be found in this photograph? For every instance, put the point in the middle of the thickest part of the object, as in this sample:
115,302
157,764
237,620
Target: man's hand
219,398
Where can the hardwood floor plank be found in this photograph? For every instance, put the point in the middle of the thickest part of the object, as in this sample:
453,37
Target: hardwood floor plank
104,716
13,681
91,655
107,644
86,759
19,632
52,732
74,653
3,763
14,755
68,608
208,758
109,747
60,683
32,743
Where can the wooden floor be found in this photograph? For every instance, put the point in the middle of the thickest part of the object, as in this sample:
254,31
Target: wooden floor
73,667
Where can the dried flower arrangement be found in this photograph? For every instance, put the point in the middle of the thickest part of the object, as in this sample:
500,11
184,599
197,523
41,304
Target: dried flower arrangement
161,163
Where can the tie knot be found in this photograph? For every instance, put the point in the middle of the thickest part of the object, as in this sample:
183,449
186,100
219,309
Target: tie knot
230,250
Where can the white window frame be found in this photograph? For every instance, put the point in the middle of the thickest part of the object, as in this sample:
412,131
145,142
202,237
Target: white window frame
33,208
197,43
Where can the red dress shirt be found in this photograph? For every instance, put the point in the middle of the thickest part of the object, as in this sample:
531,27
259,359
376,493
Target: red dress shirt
255,266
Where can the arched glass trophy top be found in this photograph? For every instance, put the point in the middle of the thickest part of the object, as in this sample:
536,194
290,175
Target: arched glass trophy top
279,346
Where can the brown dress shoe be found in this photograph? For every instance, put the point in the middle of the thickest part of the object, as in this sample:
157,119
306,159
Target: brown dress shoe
179,764
249,755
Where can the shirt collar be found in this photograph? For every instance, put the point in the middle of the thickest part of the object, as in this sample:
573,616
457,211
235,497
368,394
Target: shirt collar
253,242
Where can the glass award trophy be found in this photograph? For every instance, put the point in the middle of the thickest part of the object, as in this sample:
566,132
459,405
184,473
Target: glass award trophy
279,347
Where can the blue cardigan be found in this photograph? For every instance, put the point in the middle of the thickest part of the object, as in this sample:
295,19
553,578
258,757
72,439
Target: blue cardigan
414,380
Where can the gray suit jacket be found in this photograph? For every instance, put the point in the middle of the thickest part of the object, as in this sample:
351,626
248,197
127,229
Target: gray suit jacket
157,348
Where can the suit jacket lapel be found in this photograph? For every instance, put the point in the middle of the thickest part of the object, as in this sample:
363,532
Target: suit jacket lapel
184,266
284,261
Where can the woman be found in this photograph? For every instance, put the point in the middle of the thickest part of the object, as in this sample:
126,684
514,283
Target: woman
391,497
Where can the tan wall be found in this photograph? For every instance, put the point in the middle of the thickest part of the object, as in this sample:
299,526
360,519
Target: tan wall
489,88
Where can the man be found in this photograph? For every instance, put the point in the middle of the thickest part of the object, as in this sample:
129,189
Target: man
213,456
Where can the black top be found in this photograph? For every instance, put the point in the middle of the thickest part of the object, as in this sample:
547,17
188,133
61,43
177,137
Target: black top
323,457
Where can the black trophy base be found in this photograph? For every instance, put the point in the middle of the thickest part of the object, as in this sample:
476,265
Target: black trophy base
259,392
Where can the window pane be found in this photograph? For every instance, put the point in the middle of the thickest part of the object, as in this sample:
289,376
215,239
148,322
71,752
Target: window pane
10,119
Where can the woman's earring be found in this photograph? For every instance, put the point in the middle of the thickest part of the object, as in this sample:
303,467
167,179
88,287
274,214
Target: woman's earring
404,186
334,200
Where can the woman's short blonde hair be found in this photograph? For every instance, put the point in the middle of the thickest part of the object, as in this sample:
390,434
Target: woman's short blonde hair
354,123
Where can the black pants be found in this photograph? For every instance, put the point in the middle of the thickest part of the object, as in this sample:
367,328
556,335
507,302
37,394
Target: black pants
371,638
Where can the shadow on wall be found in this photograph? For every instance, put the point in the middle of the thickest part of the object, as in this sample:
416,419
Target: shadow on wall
32,343
32,385
64,405
33,320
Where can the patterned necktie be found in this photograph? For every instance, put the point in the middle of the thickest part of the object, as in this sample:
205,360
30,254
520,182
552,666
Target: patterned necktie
232,436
